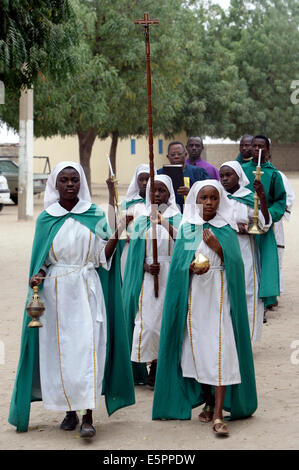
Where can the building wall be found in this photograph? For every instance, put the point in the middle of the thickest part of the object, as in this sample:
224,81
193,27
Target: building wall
284,156
59,149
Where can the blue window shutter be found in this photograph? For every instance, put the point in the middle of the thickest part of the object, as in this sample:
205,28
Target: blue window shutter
133,147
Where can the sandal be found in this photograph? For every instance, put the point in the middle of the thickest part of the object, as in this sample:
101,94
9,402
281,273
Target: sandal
221,430
207,414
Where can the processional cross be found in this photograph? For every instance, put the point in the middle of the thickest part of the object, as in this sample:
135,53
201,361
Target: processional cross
146,22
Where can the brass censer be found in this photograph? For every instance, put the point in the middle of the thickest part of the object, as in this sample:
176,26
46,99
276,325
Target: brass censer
201,261
35,309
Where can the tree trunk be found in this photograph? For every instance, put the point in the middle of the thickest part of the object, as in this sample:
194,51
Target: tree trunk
113,148
86,141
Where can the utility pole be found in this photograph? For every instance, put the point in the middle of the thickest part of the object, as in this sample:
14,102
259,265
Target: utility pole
25,184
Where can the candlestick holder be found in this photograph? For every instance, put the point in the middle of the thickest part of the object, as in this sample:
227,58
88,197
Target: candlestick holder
254,229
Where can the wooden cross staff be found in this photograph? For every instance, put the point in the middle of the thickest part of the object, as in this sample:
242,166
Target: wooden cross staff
146,22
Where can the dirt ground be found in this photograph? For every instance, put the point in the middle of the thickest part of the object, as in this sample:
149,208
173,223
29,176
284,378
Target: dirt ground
273,426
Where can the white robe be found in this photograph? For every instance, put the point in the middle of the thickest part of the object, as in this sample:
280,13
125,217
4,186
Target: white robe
279,229
146,336
136,210
249,250
209,353
72,341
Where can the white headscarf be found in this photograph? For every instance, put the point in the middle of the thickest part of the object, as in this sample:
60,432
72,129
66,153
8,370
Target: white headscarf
172,208
225,211
133,190
52,194
243,180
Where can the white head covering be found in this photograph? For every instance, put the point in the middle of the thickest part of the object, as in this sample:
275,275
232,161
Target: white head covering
243,180
172,208
225,211
133,190
52,194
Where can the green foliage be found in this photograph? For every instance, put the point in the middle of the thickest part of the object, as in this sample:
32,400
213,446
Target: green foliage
214,73
34,36
264,42
108,89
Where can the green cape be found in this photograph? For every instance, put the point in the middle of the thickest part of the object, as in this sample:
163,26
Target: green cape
126,204
133,278
118,386
174,395
274,187
269,285
241,160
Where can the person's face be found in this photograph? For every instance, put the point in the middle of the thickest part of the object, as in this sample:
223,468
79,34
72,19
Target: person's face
161,193
229,179
194,148
176,154
209,197
258,144
246,147
68,184
142,180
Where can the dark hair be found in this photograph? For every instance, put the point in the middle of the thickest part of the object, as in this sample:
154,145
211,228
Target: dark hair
263,137
246,136
195,137
175,142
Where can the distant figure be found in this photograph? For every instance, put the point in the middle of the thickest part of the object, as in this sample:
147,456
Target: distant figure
245,148
194,148
278,226
275,192
176,155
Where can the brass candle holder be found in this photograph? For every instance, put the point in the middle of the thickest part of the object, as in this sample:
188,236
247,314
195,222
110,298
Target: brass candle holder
35,309
254,229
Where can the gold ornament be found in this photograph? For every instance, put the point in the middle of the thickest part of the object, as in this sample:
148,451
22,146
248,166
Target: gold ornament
201,261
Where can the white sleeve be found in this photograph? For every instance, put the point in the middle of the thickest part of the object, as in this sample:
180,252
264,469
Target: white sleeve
99,254
290,196
46,265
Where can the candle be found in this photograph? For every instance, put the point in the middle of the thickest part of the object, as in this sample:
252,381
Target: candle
111,171
260,156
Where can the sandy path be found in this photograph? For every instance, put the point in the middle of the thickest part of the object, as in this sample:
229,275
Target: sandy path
274,425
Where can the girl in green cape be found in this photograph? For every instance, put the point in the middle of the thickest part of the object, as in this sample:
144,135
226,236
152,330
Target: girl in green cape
133,205
205,353
234,181
80,352
143,309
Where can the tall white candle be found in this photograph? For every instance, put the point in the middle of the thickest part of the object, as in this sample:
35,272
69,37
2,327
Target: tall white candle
260,156
110,166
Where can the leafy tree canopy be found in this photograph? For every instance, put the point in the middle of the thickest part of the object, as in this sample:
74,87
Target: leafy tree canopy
34,36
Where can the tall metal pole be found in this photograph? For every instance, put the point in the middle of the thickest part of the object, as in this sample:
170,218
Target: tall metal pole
25,183
146,22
